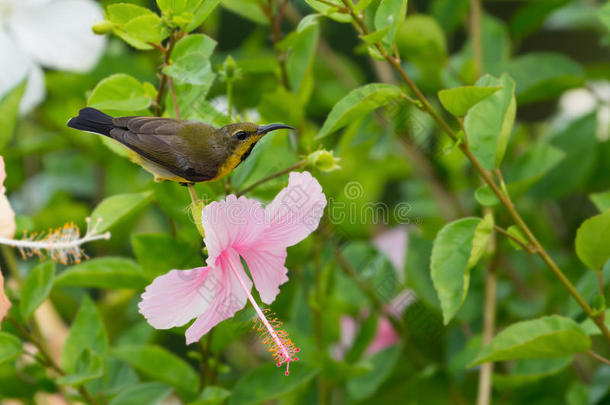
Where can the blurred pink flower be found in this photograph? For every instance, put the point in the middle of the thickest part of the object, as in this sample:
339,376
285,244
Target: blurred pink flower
393,243
234,228
7,216
385,334
5,304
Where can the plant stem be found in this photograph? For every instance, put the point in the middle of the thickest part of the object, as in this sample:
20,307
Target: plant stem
504,198
47,358
271,177
205,359
229,99
598,357
174,98
323,387
489,320
275,22
528,248
475,33
167,52
193,193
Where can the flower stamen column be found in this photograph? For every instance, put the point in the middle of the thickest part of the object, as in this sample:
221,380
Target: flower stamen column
281,346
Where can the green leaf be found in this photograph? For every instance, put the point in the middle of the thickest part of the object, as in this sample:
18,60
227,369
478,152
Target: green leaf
89,366
302,49
539,159
591,329
603,13
530,17
527,371
461,99
201,12
158,253
481,236
357,103
490,122
542,75
88,331
268,382
117,208
9,111
578,142
248,9
547,337
136,25
104,272
516,233
190,60
375,36
147,28
391,14
212,395
456,249
161,365
330,11
149,393
593,241
120,92
10,347
36,288
382,364
601,200
421,38
485,196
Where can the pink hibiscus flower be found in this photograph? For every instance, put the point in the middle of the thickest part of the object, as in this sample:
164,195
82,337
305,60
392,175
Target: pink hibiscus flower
5,304
239,228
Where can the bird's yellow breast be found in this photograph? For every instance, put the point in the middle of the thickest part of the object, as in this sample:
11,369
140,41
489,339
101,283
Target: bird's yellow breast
235,157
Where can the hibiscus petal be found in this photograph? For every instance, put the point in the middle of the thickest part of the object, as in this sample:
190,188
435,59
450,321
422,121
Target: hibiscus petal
175,298
235,223
7,215
58,34
5,304
296,211
230,297
266,264
7,218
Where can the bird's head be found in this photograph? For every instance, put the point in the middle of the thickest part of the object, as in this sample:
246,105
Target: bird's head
244,135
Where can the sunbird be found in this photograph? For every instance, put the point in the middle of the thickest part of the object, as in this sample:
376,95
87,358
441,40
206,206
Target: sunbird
177,150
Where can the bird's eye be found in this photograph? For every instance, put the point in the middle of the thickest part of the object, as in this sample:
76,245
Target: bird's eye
241,135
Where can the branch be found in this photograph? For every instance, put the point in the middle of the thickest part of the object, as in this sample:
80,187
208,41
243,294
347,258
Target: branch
475,33
489,320
47,359
504,199
598,357
275,21
528,248
298,165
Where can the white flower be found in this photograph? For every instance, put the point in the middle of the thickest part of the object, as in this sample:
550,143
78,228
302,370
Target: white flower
595,97
49,33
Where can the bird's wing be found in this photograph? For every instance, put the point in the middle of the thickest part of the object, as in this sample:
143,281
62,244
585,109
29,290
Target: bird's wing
167,142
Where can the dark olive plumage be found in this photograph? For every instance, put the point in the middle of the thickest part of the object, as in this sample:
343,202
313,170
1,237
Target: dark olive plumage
177,150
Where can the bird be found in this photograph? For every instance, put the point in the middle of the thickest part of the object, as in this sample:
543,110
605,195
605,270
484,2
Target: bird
176,150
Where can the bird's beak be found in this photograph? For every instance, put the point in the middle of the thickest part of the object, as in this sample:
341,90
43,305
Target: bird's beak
271,127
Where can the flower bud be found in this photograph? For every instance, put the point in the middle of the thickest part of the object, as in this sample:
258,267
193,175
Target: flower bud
102,27
230,71
324,160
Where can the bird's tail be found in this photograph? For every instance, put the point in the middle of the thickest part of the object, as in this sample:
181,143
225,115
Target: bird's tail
92,120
